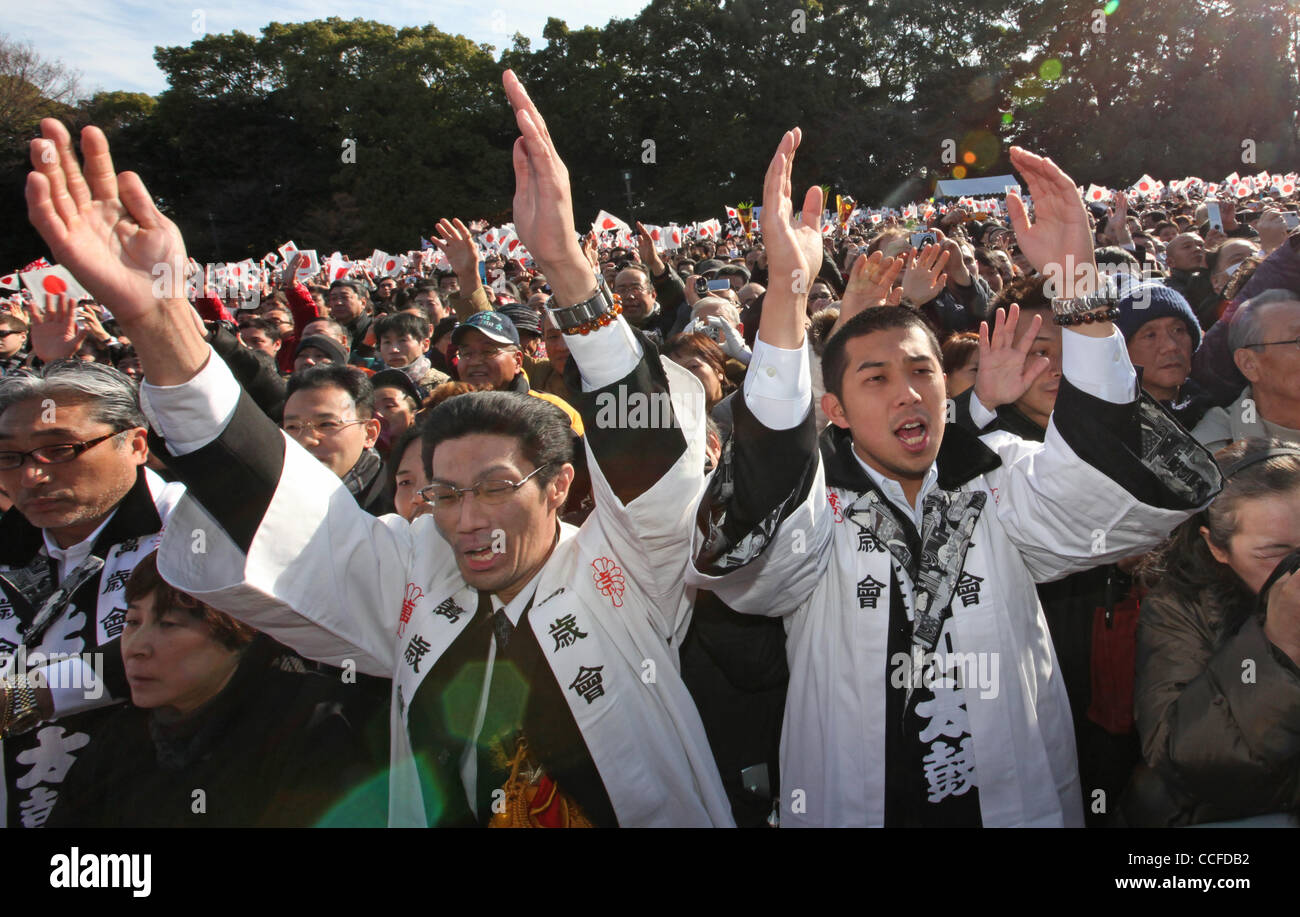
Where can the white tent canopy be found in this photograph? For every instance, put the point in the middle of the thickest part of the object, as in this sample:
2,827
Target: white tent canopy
975,187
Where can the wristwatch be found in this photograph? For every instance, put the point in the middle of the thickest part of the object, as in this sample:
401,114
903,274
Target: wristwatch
593,313
1068,310
21,711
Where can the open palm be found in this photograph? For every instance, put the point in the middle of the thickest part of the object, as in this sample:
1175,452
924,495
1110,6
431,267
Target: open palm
1059,240
103,227
794,251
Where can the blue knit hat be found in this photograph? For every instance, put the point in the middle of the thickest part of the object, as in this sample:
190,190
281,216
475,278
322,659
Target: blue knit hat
1147,301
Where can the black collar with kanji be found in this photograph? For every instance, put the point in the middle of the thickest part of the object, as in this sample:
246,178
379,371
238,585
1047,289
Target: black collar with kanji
962,458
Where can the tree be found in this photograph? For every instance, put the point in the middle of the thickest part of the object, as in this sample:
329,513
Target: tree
31,88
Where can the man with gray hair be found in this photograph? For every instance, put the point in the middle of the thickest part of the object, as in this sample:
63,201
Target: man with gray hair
85,509
1264,336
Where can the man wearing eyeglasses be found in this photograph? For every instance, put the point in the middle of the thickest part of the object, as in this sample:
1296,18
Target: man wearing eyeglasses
85,509
489,353
330,412
535,668
1264,336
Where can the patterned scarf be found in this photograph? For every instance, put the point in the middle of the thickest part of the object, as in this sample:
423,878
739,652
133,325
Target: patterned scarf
363,472
418,370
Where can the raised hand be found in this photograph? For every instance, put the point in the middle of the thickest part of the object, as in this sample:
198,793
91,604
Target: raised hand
1059,242
456,241
103,227
923,276
649,254
289,274
1006,370
543,205
54,334
794,253
1117,226
95,330
871,281
591,249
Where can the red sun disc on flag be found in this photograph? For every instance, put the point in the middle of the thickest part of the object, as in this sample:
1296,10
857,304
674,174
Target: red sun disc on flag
607,223
390,264
52,283
1144,186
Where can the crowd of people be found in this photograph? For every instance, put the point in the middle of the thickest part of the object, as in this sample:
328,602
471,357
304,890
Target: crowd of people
894,525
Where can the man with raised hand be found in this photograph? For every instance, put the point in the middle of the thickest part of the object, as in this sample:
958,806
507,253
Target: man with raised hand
534,665
924,690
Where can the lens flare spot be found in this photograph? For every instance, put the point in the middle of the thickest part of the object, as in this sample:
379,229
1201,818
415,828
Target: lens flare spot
1110,7
968,157
1050,69
959,172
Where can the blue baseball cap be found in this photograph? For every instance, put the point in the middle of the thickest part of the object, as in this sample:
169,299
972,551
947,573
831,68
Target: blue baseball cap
493,324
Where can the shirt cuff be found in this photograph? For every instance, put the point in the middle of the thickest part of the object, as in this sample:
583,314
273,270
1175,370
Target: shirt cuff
193,414
606,355
778,385
980,415
1099,366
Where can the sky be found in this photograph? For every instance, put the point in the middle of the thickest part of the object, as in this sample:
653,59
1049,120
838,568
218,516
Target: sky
111,42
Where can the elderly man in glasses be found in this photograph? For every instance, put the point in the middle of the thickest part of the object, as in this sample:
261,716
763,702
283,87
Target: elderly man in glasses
1265,339
85,510
534,665
488,352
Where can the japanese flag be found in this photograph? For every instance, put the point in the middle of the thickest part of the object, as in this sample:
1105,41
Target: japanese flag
383,264
271,258
510,245
55,279
308,265
674,236
9,281
336,267
492,237
875,219
656,234
1243,189
244,274
606,222
1287,188
732,213
1095,195
287,250
1145,185
1232,179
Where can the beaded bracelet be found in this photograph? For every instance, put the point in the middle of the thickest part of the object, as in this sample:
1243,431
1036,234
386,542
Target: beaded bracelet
600,321
1084,318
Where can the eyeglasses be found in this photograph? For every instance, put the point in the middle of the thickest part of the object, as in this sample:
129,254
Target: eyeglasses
1294,343
443,497
469,356
51,455
5,334
625,288
322,429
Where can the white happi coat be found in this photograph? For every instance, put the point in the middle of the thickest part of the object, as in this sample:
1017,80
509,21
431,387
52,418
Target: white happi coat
339,585
1048,513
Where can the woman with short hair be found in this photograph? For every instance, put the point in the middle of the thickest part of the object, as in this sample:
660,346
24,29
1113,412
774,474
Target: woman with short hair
218,733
